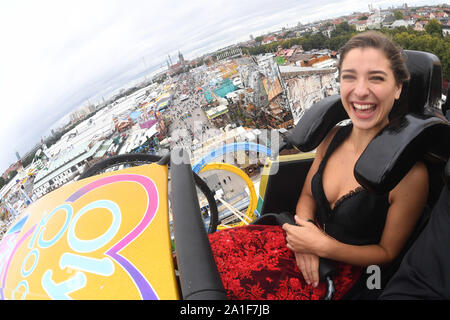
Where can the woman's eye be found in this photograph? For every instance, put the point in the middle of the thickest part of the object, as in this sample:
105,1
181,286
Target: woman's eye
377,78
348,77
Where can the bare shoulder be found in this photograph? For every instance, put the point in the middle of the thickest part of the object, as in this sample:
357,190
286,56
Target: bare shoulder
418,174
413,185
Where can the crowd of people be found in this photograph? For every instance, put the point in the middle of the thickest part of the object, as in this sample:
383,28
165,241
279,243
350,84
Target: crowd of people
189,121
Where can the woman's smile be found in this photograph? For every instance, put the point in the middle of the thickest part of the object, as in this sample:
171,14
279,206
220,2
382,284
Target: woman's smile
364,110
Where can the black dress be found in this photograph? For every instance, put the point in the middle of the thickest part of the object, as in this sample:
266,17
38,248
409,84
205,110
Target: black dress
358,218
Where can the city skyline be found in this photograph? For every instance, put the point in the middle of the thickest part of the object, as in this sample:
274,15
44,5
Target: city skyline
60,56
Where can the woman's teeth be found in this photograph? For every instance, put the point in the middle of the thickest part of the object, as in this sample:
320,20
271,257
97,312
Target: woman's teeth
364,111
363,106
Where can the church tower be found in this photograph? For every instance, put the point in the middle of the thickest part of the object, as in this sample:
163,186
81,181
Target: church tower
181,59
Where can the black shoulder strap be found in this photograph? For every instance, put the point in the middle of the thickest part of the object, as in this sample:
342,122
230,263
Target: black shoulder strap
338,138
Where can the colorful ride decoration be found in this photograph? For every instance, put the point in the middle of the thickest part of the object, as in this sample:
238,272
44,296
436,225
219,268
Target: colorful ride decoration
104,237
228,148
234,147
250,215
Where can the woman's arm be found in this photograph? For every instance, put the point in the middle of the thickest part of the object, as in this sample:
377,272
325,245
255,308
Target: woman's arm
407,200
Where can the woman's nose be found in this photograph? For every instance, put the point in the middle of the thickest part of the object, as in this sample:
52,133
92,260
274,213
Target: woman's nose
361,88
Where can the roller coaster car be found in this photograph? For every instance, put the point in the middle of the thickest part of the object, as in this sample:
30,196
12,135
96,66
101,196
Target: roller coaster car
107,236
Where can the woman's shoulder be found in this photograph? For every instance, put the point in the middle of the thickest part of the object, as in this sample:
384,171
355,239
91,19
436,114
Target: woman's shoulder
417,174
414,183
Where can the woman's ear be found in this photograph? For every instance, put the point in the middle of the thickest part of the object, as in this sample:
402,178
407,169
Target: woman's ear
398,91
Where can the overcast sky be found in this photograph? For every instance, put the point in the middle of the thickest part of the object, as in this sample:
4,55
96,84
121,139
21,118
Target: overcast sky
55,55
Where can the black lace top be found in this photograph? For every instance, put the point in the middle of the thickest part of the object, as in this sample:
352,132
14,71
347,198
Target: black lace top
358,217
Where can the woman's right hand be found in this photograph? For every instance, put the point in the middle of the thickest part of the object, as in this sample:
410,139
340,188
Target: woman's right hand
309,267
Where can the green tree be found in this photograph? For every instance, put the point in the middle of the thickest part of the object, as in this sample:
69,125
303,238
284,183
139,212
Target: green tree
398,15
433,27
342,28
11,175
427,42
338,42
259,38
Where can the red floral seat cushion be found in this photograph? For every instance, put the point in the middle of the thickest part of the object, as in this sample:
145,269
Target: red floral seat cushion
255,264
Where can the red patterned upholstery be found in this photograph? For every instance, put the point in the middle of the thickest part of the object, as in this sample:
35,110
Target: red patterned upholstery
255,264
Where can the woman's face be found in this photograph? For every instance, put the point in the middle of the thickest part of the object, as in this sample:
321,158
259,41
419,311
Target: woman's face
368,88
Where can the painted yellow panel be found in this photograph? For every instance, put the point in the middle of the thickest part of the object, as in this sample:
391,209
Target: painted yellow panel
104,237
285,158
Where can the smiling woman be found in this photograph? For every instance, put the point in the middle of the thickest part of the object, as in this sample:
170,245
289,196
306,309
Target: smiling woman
353,225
